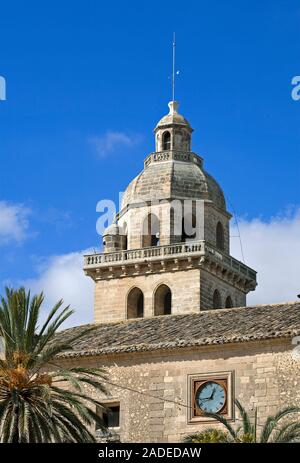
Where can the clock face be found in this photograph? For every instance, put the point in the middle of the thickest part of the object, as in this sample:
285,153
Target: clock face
211,397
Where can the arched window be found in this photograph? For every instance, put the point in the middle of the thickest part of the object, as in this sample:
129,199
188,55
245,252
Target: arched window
188,228
135,304
220,237
217,302
150,231
166,141
228,302
163,300
125,236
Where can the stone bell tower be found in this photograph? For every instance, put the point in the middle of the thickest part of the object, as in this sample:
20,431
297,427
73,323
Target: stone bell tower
169,251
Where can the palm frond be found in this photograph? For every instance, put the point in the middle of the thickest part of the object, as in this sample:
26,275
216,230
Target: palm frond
272,422
247,427
209,436
222,420
41,401
287,432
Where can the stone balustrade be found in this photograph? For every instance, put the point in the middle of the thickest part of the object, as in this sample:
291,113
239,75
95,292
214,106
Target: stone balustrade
180,250
174,155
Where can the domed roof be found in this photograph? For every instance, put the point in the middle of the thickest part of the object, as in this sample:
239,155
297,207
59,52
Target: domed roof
174,173
173,117
173,180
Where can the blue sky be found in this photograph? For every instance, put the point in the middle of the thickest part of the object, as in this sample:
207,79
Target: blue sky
88,80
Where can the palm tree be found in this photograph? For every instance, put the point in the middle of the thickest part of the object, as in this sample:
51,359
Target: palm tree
38,405
272,430
209,436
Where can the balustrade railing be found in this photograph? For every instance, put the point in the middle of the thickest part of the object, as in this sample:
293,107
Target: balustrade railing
199,248
143,253
161,156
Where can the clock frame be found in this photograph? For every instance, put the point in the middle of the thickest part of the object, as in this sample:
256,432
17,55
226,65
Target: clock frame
195,381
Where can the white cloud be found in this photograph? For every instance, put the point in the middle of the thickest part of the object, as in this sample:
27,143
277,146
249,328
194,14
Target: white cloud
13,222
62,277
111,141
272,248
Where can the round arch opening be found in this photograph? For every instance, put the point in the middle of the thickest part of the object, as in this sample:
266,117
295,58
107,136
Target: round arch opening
217,301
220,239
188,232
151,229
228,302
135,303
166,141
163,300
125,236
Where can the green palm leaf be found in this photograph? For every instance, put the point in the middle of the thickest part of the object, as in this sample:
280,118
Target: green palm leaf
36,406
272,422
247,432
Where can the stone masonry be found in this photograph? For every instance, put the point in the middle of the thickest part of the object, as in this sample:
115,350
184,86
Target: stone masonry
173,193
164,306
153,388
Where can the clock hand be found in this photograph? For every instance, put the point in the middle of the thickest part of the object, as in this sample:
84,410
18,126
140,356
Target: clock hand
212,394
205,399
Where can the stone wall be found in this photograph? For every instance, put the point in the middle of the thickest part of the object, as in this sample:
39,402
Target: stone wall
207,219
192,290
153,389
212,216
111,295
134,219
209,283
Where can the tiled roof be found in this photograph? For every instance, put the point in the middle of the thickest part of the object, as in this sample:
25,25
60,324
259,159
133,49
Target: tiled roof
209,327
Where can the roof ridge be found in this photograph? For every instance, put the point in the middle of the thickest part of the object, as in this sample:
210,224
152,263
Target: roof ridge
183,315
208,327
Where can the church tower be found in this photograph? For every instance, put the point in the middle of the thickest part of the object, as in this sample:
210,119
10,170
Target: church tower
169,250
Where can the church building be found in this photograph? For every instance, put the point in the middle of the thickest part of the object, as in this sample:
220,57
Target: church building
173,328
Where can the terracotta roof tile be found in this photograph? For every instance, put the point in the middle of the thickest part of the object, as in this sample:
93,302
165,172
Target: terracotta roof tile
207,327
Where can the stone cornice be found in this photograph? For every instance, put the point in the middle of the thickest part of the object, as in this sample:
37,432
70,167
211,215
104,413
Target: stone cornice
170,258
